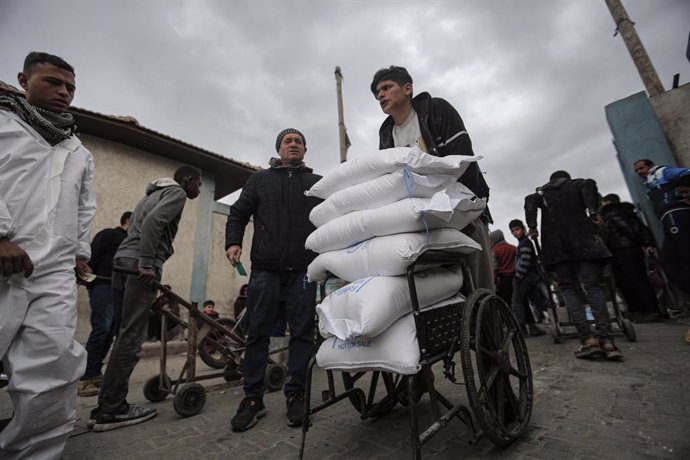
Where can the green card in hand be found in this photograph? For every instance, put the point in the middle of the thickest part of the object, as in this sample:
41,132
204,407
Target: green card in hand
240,268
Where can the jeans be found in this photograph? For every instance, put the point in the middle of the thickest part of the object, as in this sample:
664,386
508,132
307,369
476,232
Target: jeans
101,336
132,301
524,289
570,274
266,290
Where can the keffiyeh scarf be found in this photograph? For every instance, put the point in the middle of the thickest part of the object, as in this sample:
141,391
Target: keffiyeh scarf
53,127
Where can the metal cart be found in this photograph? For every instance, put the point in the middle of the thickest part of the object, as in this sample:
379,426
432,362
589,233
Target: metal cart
226,341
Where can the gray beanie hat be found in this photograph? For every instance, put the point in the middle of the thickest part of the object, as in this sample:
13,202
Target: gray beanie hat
282,134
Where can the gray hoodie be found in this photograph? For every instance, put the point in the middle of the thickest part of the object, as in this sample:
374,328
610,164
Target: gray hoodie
154,224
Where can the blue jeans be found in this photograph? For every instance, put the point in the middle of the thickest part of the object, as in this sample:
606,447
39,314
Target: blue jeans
101,336
264,295
570,274
524,289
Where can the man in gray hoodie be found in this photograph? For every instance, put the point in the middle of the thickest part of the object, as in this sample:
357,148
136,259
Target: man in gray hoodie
147,246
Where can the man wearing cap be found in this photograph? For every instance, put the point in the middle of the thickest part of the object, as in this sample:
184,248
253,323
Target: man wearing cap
433,125
275,198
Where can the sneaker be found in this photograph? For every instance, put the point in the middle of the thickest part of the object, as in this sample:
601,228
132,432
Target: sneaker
92,417
87,387
249,412
295,409
128,415
612,352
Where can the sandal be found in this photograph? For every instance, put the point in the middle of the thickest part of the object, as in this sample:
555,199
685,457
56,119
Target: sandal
612,352
588,349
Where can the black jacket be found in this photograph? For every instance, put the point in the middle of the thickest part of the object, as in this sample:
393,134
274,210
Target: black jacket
103,248
567,233
624,230
275,197
444,134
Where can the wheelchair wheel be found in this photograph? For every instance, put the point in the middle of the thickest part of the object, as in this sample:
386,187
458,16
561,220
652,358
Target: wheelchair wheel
388,396
496,367
212,357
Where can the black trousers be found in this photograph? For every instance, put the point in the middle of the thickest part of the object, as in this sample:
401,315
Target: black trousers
633,282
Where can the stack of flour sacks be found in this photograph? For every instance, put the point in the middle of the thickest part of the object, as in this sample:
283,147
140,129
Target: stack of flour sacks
381,212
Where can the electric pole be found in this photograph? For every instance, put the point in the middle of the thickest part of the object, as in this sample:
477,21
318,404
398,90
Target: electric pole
632,41
344,141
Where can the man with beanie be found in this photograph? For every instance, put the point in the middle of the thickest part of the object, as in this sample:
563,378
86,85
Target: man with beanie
275,198
526,284
47,203
572,247
149,243
433,125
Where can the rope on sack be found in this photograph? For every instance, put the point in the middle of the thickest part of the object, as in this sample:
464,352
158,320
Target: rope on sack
409,185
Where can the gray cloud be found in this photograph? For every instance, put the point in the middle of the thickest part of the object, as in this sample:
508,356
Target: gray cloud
530,78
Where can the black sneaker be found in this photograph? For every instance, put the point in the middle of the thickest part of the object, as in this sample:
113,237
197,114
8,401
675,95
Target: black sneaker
295,409
92,417
249,412
128,415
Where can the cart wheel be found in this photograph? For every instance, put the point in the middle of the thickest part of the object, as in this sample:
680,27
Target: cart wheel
392,385
496,367
190,399
153,391
629,330
232,372
275,377
212,357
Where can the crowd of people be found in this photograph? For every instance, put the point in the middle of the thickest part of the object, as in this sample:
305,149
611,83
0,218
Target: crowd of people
44,238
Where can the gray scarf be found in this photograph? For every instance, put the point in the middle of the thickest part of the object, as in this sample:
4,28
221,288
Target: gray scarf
52,126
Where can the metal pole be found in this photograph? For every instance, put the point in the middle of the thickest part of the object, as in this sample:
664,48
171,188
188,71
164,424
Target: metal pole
341,116
639,55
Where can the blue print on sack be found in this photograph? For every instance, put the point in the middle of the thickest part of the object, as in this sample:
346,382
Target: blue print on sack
355,286
356,247
358,342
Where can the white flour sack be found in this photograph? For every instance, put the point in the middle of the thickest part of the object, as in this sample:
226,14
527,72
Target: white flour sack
387,255
370,166
448,208
368,306
381,191
396,350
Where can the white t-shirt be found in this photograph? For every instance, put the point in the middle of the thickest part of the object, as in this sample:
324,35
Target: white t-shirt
408,134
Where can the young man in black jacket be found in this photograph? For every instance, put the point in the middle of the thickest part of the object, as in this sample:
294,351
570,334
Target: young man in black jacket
433,125
572,247
103,248
275,198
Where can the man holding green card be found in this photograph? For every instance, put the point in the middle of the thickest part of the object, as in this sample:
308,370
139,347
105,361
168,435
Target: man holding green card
275,198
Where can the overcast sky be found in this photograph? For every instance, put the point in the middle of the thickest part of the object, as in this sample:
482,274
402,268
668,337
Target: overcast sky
529,78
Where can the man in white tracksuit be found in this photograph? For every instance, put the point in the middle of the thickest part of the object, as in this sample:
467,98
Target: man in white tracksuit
47,203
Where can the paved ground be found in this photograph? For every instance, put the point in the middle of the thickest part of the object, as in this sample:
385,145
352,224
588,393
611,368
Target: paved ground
636,409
